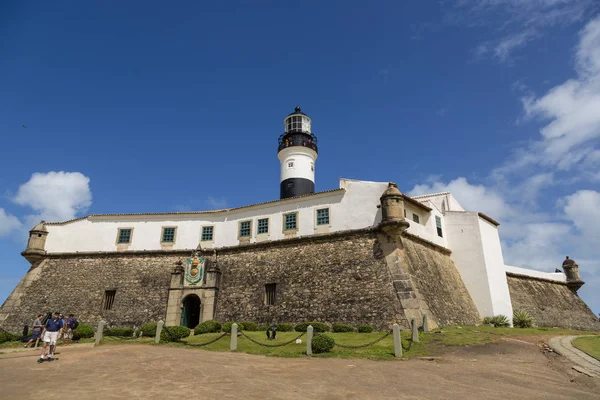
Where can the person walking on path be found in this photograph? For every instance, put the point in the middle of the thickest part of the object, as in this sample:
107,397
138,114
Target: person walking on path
36,331
52,330
67,335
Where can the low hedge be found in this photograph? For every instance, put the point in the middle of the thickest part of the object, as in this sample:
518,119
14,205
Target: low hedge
249,326
227,326
322,344
9,337
317,327
178,332
83,331
366,328
209,326
342,328
285,327
126,332
148,329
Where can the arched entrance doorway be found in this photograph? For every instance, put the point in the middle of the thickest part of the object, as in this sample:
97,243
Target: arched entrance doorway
190,312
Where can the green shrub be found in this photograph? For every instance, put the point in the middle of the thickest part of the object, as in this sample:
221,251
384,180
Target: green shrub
148,329
342,328
263,327
83,331
500,321
249,326
178,332
365,328
128,332
285,327
487,320
322,344
522,319
317,327
9,337
209,326
227,326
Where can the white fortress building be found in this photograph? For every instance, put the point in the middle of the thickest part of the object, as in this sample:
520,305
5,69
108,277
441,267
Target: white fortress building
436,221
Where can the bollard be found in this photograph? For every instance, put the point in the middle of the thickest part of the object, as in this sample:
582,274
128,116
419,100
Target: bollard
415,331
397,342
309,336
425,323
99,332
159,328
233,343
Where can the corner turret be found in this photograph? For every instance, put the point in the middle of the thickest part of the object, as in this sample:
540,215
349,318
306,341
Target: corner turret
392,210
36,245
571,269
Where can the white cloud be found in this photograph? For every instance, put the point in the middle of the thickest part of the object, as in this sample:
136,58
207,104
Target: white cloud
583,208
8,223
471,197
504,48
215,203
55,196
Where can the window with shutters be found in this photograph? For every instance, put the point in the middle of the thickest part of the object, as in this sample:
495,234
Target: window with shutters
109,299
438,225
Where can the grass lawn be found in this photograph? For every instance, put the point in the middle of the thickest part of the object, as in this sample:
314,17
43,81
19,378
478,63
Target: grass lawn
589,345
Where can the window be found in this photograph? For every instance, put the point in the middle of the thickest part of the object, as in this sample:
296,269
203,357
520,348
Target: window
270,292
109,299
415,218
405,213
438,225
289,222
168,235
245,228
290,164
207,233
124,236
312,167
263,226
323,216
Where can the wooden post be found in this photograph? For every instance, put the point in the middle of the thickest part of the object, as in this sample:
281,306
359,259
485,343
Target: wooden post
397,342
233,343
159,328
309,336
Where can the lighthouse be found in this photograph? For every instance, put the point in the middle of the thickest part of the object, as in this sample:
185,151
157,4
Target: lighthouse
297,153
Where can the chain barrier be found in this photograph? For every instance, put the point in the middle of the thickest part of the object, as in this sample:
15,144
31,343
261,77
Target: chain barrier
177,340
271,345
360,346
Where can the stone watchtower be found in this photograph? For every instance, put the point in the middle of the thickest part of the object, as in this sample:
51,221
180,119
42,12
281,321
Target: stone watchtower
392,211
571,269
297,152
36,245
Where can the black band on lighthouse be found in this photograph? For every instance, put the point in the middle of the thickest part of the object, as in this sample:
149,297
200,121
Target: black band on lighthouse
293,187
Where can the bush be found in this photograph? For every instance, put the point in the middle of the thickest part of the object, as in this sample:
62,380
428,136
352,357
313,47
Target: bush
522,319
9,337
179,332
83,331
365,328
342,328
322,344
148,329
284,327
499,321
487,321
209,326
317,326
249,326
227,326
128,332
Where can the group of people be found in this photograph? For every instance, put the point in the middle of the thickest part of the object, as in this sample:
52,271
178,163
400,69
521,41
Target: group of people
55,327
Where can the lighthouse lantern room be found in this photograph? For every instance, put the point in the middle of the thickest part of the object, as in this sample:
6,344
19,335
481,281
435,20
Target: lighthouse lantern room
297,153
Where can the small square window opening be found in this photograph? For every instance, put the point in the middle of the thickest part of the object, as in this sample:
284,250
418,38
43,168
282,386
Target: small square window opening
207,233
289,221
323,216
415,218
245,228
168,235
263,226
124,236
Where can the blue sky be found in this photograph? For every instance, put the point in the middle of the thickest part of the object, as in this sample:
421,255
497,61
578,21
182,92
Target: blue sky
139,106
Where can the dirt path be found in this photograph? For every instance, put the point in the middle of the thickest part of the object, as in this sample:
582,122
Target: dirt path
510,369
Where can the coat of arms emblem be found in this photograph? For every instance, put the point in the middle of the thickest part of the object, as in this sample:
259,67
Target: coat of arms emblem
194,269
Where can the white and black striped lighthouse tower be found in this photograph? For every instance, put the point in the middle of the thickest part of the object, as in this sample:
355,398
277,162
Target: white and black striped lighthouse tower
297,154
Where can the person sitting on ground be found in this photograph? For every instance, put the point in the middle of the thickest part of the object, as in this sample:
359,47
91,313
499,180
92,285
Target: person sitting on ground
36,331
52,331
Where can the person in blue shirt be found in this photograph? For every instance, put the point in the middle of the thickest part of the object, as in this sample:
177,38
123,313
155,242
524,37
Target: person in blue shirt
52,331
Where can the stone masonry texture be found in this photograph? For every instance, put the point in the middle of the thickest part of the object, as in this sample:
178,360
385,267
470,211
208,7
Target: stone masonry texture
551,304
330,278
